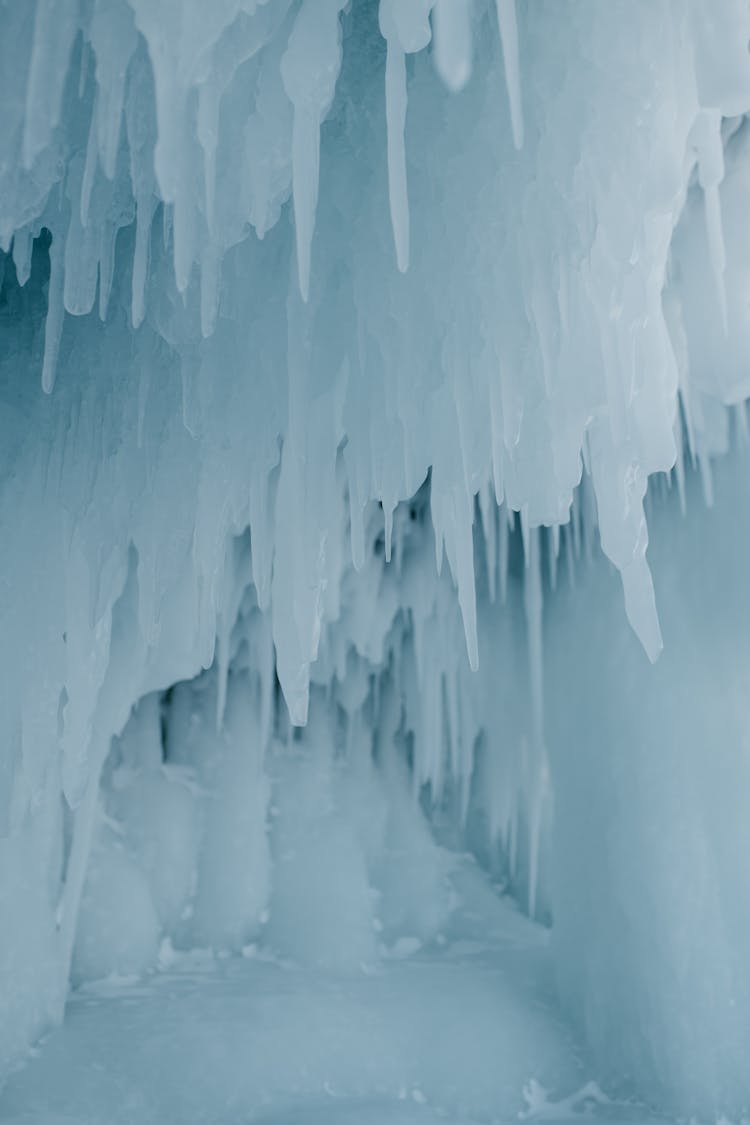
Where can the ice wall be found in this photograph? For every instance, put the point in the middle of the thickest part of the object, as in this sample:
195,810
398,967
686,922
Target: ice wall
650,774
274,265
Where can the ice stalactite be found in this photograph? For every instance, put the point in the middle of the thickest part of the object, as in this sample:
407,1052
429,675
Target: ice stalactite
309,70
54,320
453,42
506,18
406,29
710,148
537,762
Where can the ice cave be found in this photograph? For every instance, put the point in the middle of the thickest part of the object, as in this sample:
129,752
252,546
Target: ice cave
374,600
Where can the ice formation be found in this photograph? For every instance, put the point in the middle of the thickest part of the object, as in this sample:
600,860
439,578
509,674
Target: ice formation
327,329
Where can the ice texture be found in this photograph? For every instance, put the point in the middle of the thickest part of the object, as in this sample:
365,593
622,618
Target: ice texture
326,331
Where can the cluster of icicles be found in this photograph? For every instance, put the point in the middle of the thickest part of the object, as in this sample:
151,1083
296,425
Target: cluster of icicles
159,76
230,180
536,327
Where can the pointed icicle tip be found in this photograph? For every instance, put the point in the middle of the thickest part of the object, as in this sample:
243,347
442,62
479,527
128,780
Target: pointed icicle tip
717,251
309,70
305,173
506,18
453,42
54,322
640,606
395,112
388,518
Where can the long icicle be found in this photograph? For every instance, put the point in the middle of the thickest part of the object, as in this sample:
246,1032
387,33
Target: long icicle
506,18
395,112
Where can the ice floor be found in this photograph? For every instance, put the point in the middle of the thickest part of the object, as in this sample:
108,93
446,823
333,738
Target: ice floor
465,1030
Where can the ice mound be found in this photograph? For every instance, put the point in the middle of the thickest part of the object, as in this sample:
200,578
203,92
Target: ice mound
353,319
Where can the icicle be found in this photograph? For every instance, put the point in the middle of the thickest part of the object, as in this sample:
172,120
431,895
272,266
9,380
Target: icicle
533,602
575,522
89,172
23,245
398,544
460,545
570,556
106,266
623,534
83,72
453,46
388,529
114,39
55,24
489,512
496,435
708,141
553,551
223,631
588,518
506,18
267,673
395,110
262,497
167,223
640,606
84,819
679,471
184,242
305,173
526,534
405,28
55,312
503,551
716,249
143,216
208,131
309,69
707,479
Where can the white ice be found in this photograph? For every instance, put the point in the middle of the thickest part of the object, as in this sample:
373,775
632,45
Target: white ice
345,349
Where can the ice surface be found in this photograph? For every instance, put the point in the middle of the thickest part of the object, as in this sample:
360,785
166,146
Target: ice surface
453,1034
649,798
356,323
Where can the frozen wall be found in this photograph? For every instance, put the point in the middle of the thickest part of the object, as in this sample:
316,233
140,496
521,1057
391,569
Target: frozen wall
650,775
301,302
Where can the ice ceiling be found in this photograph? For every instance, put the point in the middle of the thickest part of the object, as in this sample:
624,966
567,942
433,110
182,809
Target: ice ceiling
326,330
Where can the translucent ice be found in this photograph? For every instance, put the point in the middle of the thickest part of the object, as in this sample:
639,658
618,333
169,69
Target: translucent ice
356,323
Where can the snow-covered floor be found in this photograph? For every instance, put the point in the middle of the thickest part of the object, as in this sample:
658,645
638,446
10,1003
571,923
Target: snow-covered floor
465,1030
